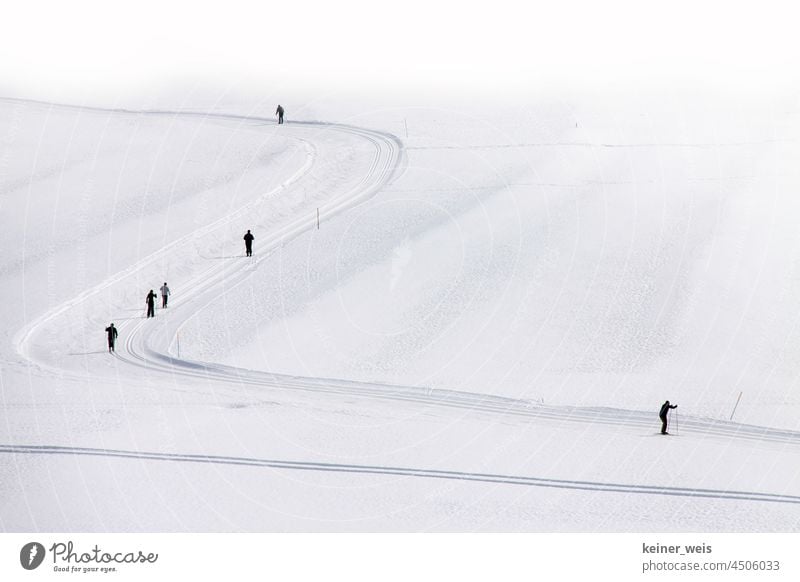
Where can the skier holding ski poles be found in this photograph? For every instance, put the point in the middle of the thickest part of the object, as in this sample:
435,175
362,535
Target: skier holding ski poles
665,408
151,304
112,336
164,294
248,243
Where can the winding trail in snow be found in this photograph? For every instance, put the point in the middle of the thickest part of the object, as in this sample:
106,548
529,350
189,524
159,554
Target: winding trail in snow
154,348
387,161
151,345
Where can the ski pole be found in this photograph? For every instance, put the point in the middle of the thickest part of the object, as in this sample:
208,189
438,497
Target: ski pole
736,405
676,423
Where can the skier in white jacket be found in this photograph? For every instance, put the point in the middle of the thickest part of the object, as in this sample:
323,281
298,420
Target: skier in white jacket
164,294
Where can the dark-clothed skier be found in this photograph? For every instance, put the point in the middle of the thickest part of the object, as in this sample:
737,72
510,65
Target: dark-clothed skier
279,113
248,243
164,294
663,415
112,336
151,304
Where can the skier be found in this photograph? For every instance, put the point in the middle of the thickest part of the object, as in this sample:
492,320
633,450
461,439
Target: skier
164,294
248,243
151,304
663,415
112,336
279,113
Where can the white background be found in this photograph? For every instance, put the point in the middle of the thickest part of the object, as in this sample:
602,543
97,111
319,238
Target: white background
88,47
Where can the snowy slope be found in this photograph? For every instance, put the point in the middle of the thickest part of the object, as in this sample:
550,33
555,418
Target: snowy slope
477,336
561,264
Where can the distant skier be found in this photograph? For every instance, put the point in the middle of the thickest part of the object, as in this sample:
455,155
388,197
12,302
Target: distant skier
248,243
112,336
151,304
663,415
279,113
164,294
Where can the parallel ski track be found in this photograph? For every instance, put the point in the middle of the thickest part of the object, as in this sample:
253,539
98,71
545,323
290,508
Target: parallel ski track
495,406
465,476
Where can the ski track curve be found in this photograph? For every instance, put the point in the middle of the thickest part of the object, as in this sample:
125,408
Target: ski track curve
384,144
151,347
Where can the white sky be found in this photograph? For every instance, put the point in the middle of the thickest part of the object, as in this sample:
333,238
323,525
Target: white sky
502,44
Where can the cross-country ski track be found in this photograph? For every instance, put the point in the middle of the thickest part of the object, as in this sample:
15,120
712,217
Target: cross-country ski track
406,472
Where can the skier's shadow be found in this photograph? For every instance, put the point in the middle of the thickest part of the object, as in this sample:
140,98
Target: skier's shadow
86,353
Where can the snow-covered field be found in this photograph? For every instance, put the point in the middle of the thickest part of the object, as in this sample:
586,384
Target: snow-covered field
475,333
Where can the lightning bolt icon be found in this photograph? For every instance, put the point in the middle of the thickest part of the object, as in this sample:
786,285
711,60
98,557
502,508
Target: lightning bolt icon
34,551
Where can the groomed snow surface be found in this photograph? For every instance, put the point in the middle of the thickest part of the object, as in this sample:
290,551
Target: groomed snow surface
477,336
